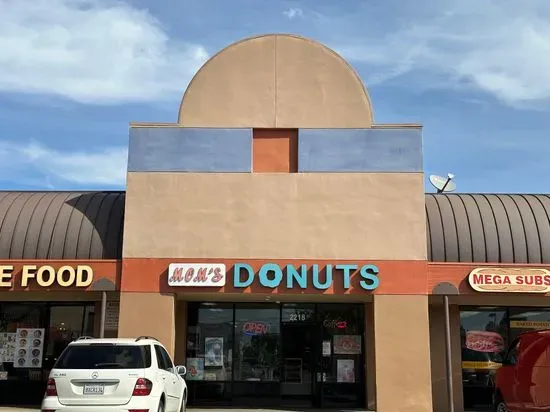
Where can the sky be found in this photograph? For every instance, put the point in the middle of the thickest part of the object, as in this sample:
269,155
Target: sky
75,73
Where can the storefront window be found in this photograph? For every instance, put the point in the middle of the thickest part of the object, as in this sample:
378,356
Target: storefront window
257,337
525,320
342,357
210,351
67,323
12,317
45,329
484,340
210,342
257,354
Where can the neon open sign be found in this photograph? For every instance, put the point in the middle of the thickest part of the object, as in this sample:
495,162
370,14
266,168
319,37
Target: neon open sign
255,328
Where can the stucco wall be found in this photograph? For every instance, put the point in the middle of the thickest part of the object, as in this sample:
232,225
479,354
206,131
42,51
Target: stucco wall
279,215
276,81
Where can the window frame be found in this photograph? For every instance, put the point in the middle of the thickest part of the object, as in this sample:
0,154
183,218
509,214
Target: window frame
161,361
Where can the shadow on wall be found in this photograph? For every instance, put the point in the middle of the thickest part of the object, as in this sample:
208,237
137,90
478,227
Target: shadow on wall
98,235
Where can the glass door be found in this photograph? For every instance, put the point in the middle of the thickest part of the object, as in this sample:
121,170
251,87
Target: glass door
256,379
339,379
299,337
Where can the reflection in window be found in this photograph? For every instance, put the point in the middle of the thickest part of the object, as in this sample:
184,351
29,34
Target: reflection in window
257,341
483,335
210,342
13,316
525,320
484,340
65,326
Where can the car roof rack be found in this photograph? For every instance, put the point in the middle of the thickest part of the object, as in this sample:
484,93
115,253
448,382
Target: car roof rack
85,337
145,337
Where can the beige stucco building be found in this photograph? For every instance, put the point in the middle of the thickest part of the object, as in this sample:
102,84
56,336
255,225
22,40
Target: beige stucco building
279,242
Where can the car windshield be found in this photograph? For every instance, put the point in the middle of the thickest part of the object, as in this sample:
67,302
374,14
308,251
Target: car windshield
104,356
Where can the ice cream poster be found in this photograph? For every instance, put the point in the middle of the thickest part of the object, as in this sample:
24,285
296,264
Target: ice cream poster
345,371
195,369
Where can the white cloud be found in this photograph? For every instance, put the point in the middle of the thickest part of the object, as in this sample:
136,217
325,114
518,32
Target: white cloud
91,51
293,12
502,48
24,161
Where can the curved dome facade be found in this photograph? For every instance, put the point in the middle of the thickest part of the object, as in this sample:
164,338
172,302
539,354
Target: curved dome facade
276,80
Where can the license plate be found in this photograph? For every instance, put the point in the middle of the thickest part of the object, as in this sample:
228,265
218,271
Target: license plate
93,389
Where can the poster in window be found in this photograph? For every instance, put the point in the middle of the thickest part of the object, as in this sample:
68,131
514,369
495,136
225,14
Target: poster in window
7,347
213,352
195,369
482,341
345,371
347,344
111,315
29,345
326,348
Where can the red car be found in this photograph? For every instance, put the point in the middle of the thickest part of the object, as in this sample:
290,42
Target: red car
522,384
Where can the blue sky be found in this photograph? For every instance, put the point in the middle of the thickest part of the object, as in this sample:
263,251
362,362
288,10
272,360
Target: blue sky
74,73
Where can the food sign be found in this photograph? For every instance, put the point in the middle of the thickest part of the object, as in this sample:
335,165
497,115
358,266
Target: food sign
510,280
29,345
481,341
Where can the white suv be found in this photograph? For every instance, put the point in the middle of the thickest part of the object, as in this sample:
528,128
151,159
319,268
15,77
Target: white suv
115,375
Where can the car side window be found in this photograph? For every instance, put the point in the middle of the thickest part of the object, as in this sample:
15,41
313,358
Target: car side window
161,361
167,360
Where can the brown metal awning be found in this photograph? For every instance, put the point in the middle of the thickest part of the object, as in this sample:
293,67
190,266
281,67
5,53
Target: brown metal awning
505,228
61,225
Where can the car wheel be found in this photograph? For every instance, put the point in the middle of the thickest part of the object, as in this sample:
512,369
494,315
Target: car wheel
161,407
183,408
501,407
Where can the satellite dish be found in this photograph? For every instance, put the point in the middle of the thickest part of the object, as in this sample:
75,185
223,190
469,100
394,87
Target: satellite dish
443,184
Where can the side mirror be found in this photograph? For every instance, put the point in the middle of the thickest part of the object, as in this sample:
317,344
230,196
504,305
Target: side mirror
181,370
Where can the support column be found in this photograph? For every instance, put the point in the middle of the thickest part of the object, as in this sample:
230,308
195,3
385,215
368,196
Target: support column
437,342
181,332
456,353
437,345
402,350
370,358
150,314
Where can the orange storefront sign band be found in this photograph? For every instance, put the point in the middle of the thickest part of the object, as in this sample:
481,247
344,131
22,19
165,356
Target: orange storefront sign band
519,280
79,276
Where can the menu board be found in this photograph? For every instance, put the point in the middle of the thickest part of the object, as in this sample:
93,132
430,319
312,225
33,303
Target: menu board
111,315
29,345
7,347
